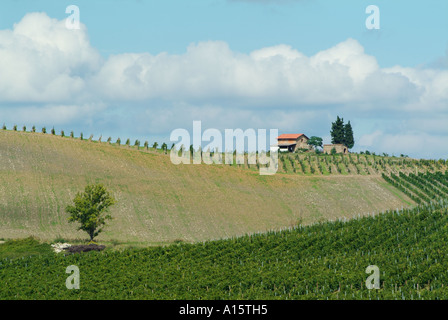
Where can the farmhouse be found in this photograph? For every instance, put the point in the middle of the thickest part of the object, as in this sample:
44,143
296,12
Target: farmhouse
292,142
340,148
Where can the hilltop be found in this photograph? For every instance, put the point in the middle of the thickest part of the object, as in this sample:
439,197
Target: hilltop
159,202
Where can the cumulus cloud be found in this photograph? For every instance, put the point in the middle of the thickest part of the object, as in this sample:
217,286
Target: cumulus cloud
278,74
42,61
433,86
50,72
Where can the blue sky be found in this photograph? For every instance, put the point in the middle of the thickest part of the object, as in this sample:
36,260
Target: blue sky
231,64
411,33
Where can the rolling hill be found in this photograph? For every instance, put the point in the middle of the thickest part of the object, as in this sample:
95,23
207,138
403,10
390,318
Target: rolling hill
158,202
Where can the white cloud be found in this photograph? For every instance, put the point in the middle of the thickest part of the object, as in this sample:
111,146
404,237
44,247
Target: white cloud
42,61
269,76
351,55
433,86
50,72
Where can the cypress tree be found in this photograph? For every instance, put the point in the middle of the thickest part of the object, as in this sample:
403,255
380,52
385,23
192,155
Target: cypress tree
337,131
348,136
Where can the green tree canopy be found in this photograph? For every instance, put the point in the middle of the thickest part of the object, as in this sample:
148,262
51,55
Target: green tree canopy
315,142
337,131
90,209
342,134
349,140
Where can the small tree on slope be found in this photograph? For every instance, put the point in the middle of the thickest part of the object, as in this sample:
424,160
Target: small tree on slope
90,209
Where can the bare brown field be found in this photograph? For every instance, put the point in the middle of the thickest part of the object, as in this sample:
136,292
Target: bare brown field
158,202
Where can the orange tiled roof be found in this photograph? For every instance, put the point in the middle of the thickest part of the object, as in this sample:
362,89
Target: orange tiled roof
290,136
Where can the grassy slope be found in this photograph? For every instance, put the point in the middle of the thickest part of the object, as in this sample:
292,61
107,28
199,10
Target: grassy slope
160,202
